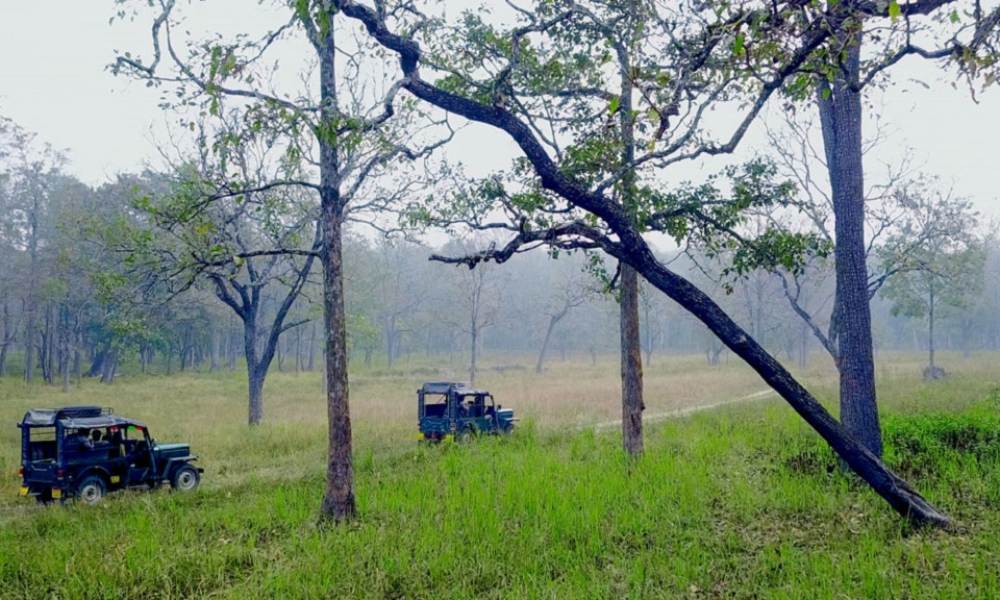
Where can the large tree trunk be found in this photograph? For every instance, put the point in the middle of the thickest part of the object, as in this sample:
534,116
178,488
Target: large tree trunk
256,373
109,366
631,362
97,362
631,342
338,497
255,385
840,116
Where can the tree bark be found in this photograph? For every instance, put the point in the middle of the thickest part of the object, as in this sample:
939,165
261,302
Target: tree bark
109,366
255,395
338,497
631,342
896,491
553,321
97,362
840,117
930,329
256,372
631,363
30,302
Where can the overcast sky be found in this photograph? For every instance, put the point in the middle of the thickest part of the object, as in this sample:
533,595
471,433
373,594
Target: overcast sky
54,81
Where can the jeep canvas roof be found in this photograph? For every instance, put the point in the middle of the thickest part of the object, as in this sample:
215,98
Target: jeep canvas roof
75,417
443,387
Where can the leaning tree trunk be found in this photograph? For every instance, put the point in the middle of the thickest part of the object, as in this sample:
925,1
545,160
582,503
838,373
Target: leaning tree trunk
897,492
840,116
631,362
338,497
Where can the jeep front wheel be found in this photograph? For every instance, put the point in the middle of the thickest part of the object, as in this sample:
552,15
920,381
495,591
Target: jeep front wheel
91,490
185,478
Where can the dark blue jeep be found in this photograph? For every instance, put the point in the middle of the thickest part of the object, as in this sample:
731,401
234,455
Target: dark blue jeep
449,410
85,451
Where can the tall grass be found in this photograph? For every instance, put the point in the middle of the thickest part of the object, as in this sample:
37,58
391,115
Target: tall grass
743,501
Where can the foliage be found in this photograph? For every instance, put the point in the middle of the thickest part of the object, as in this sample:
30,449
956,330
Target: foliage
943,270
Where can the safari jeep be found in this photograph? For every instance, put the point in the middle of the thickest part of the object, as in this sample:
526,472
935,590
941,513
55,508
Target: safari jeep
85,451
449,410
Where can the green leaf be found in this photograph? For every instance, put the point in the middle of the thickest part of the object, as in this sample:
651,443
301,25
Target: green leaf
894,10
739,44
613,105
954,16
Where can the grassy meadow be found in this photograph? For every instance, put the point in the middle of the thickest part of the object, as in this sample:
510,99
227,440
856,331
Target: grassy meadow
739,501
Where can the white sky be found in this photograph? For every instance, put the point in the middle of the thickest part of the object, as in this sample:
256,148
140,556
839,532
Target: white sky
54,81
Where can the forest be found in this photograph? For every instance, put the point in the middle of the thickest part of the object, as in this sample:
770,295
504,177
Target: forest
749,332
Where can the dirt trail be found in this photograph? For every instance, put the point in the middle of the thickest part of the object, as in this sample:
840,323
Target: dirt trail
652,418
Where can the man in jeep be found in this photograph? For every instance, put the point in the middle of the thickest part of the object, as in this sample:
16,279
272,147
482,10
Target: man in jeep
85,451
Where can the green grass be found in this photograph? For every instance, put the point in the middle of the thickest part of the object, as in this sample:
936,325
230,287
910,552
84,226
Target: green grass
737,502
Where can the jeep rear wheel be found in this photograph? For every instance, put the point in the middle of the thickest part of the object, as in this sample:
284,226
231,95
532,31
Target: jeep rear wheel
185,478
91,490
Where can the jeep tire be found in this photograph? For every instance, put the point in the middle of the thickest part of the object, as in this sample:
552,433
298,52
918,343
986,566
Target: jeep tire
91,490
185,478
